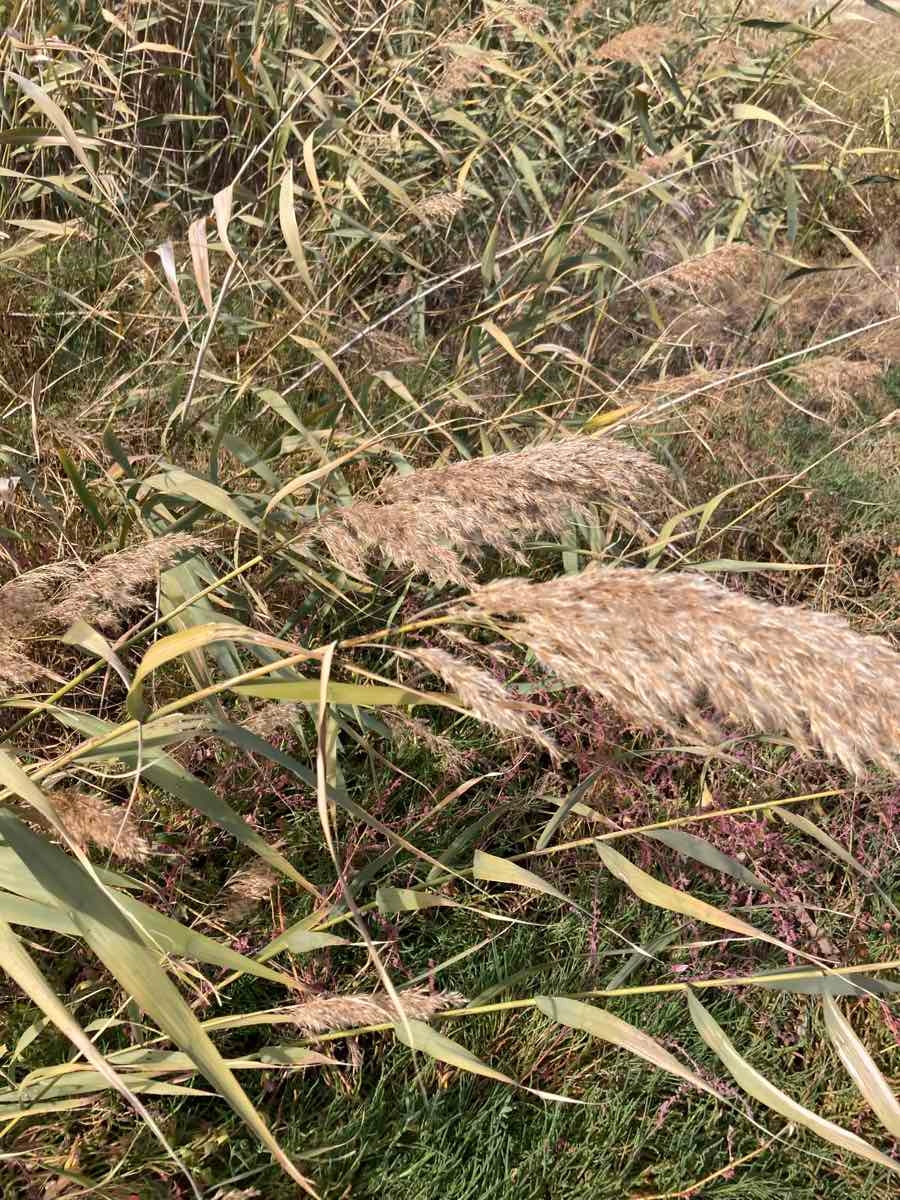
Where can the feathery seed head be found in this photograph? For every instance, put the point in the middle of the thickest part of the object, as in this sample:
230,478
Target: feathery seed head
92,819
661,647
430,519
638,45
483,695
327,1013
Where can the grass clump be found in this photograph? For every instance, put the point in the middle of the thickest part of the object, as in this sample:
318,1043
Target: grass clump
449,548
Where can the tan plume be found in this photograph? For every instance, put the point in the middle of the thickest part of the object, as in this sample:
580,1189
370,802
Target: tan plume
430,520
659,648
327,1013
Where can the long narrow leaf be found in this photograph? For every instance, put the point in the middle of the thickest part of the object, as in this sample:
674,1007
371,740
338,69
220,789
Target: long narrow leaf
873,1086
757,1086
602,1024
119,946
651,890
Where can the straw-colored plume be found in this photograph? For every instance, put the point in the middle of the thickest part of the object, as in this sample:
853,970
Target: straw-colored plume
430,520
662,648
61,593
327,1013
90,819
56,595
114,584
483,695
643,43
247,888
441,206
734,263
272,720
836,380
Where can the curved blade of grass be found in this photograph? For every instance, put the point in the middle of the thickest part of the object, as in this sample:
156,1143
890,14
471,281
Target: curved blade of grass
165,252
51,110
364,694
87,638
872,1085
19,965
602,1024
200,261
300,940
490,868
120,947
175,481
17,910
399,900
222,203
688,845
188,641
419,1036
652,891
841,853
757,1086
87,1083
287,218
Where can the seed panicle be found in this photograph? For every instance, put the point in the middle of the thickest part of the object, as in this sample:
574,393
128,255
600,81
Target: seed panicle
662,649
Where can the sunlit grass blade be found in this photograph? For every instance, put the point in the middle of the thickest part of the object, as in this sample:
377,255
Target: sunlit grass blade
120,947
757,1086
861,1067
604,1025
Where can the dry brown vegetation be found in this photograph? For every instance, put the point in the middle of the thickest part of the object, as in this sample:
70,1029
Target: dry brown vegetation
439,440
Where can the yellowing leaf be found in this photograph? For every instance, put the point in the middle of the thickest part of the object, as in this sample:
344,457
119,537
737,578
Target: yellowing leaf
90,639
503,340
367,695
397,900
872,1085
750,112
222,202
120,947
602,1024
200,260
287,218
757,1086
419,1036
176,480
52,110
187,641
19,965
309,161
489,868
651,890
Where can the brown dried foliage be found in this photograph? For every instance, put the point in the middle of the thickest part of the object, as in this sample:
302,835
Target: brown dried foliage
327,1013
659,648
431,519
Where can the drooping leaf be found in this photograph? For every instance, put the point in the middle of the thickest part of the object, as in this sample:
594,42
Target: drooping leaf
688,845
602,1024
119,946
419,1036
399,900
756,1085
653,891
490,868
861,1067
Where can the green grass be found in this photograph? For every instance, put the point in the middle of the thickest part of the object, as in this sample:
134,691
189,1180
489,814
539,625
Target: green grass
524,315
